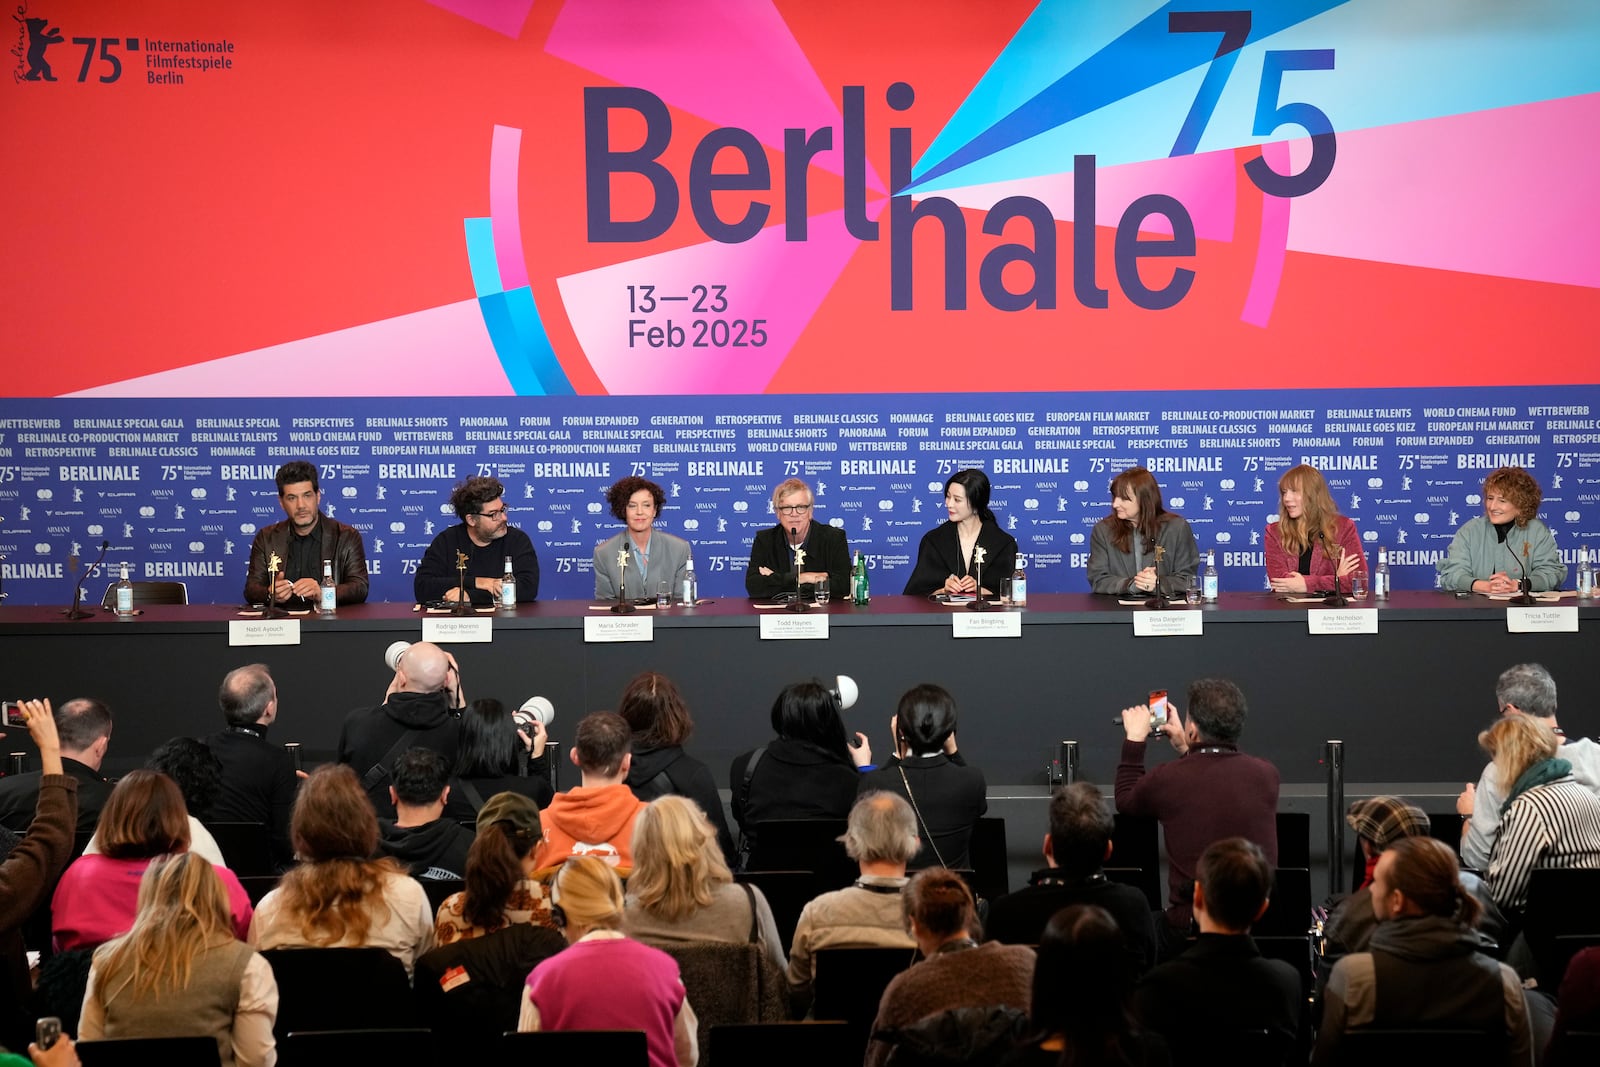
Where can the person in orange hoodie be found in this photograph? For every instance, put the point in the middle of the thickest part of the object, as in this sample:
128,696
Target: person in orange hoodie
595,818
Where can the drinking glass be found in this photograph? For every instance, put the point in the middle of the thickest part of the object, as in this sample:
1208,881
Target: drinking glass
824,594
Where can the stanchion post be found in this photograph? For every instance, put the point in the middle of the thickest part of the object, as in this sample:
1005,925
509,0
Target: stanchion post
1334,758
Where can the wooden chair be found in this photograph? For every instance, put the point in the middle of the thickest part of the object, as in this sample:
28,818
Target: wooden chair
787,893
149,593
1383,1045
1560,911
167,1051
338,1048
1294,839
803,845
613,1048
1136,856
810,1042
849,983
339,989
989,859
245,846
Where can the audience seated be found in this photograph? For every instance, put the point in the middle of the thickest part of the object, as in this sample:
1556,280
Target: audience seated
84,729
605,980
1221,984
1524,689
947,796
881,837
1577,1008
1214,792
258,777
31,868
1424,967
179,972
336,897
198,774
500,891
496,755
809,771
98,895
1547,819
957,972
419,836
655,711
681,890
419,708
1078,1008
596,817
1075,849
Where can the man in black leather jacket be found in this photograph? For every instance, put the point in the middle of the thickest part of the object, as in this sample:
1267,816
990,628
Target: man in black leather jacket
301,542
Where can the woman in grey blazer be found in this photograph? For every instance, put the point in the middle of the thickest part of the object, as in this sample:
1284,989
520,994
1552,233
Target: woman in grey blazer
653,557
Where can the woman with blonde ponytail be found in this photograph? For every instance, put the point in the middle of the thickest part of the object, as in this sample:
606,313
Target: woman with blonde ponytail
179,972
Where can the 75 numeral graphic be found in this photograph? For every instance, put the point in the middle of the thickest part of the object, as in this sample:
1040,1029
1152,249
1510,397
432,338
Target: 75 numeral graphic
106,56
1270,115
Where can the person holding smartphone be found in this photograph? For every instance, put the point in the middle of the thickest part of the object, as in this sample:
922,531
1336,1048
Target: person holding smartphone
30,871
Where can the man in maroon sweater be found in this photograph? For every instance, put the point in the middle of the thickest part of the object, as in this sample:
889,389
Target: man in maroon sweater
1210,792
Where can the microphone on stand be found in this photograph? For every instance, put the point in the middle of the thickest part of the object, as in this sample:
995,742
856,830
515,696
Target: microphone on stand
793,537
76,611
1525,596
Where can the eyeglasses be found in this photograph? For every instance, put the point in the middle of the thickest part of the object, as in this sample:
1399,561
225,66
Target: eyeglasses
497,514
794,509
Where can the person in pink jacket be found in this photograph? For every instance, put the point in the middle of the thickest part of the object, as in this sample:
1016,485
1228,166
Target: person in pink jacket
1311,542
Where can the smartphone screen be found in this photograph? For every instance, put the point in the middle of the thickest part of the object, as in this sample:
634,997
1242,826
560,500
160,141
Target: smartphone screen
13,714
1158,706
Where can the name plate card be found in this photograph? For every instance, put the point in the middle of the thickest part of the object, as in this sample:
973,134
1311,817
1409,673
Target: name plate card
1175,623
263,631
615,628
1542,620
1342,621
986,624
792,626
457,630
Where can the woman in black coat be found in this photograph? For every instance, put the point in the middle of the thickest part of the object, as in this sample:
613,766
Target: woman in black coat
948,558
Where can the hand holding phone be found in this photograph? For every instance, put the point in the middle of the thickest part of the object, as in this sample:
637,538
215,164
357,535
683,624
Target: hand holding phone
1158,709
46,1032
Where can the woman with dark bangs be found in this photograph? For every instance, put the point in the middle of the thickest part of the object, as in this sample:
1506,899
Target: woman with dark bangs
1141,540
497,754
1311,544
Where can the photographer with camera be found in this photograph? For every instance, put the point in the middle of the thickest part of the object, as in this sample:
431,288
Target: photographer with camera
419,709
1210,792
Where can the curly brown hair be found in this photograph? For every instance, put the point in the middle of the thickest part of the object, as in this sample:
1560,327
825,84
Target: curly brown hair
337,891
1517,486
623,489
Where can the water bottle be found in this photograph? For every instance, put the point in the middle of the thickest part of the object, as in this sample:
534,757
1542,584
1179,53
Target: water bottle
330,602
1380,577
863,585
508,587
125,595
1585,574
1019,586
1208,579
691,588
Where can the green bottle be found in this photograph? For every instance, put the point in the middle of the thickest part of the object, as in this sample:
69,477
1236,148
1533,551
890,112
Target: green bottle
858,581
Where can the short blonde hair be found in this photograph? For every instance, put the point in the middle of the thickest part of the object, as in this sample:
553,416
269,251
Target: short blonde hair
787,486
1516,743
677,864
589,893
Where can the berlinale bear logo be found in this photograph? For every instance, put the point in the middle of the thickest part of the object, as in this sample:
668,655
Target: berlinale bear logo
39,38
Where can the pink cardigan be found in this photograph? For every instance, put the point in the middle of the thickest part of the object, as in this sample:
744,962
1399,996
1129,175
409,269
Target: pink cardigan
98,897
1280,564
